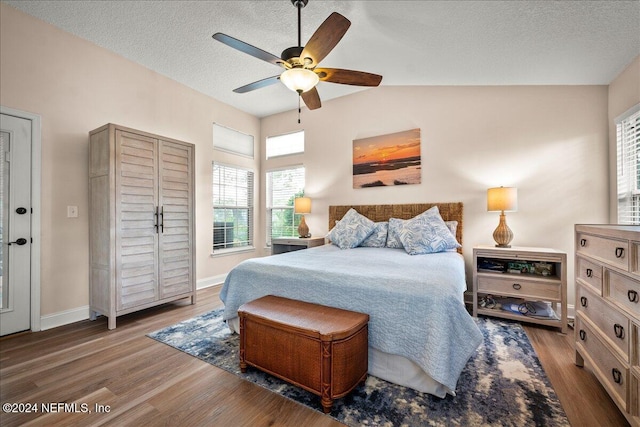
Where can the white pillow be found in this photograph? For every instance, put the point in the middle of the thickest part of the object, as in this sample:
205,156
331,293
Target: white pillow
351,230
426,233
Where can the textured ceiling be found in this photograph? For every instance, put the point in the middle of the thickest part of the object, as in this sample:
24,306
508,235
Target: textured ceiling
407,42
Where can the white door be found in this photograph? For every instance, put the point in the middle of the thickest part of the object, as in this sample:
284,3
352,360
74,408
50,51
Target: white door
15,223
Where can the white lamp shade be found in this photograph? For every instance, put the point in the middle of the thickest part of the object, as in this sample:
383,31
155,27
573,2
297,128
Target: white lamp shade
502,199
299,79
302,205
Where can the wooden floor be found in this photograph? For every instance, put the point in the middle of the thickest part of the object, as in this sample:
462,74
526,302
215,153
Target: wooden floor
121,377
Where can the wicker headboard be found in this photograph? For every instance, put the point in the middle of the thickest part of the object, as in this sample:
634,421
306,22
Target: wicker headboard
377,213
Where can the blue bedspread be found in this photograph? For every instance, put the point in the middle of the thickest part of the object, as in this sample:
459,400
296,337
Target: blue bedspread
415,303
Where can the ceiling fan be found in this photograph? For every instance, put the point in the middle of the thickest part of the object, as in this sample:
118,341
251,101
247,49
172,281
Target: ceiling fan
300,62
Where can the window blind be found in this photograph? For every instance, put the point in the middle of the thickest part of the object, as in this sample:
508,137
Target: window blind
232,141
232,207
628,166
283,186
282,145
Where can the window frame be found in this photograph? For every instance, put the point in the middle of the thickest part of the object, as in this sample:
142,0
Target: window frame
250,242
292,153
628,171
269,208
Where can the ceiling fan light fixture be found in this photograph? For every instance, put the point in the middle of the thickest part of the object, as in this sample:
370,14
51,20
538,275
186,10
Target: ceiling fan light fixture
299,79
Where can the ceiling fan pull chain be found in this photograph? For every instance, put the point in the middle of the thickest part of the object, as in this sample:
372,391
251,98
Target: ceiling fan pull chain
298,108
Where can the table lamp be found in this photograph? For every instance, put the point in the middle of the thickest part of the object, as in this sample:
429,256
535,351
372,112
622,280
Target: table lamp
501,199
302,205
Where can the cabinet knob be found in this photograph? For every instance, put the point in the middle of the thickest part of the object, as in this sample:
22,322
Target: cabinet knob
619,330
589,272
632,295
517,286
619,252
584,301
583,242
617,376
583,334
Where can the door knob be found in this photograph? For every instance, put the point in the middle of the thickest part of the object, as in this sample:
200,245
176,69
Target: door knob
21,241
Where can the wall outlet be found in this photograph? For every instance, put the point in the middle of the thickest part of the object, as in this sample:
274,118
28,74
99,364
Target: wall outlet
72,212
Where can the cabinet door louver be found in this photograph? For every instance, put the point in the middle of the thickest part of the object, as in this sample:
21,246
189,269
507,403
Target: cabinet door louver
136,238
176,234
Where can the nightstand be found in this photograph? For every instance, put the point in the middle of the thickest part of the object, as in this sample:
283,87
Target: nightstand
526,274
281,245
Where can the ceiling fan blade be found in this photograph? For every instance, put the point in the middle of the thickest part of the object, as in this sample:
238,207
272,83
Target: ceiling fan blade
311,99
257,85
348,77
325,38
248,49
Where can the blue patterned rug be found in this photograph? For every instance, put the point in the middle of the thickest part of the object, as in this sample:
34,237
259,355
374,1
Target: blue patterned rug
503,383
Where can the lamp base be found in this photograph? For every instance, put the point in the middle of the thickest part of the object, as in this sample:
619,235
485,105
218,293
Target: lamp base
303,229
503,234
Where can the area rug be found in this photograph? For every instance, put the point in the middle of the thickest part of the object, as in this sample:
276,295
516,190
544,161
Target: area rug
503,384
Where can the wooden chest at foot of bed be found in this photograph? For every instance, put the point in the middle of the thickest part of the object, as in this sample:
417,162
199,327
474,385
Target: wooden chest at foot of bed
321,349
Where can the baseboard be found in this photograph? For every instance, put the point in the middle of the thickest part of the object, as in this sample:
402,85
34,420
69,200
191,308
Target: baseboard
210,281
64,317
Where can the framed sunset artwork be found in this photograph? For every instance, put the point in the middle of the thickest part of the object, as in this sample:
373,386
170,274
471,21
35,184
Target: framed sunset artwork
385,160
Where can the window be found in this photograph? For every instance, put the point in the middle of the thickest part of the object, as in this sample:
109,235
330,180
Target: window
283,145
628,162
232,207
283,186
232,141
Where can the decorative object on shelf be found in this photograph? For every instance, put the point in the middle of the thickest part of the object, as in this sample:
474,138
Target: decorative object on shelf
302,205
383,160
501,199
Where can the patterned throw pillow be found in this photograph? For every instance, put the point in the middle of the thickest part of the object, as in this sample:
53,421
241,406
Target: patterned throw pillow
393,235
377,239
426,233
351,230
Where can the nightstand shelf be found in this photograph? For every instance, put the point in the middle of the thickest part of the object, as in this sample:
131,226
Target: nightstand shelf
525,274
281,245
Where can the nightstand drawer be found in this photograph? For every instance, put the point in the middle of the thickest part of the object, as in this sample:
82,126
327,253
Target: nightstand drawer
590,273
613,373
624,292
611,323
612,251
519,287
635,346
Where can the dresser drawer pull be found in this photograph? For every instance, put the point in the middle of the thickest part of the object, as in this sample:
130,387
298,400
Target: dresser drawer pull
633,296
617,376
589,272
619,330
583,334
584,301
517,286
583,242
619,252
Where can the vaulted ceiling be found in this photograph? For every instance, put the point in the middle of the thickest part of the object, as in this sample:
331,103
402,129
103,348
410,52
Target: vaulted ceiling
407,42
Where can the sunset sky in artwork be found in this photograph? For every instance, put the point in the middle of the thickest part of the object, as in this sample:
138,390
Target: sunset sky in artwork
382,148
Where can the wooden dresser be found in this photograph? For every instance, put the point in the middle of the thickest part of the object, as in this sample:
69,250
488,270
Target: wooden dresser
607,326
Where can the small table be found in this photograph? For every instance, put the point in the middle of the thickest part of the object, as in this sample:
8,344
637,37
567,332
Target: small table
321,349
511,273
281,245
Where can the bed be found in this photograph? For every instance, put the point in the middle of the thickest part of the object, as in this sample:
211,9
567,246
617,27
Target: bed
420,334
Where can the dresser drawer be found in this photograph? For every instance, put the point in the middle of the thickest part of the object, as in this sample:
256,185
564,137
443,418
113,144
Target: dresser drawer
635,345
610,322
612,251
635,397
590,273
624,292
613,374
520,287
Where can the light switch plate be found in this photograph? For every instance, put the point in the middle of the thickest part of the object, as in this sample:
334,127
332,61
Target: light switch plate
72,212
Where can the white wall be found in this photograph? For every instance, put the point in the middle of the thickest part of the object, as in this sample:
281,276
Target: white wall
75,87
549,141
